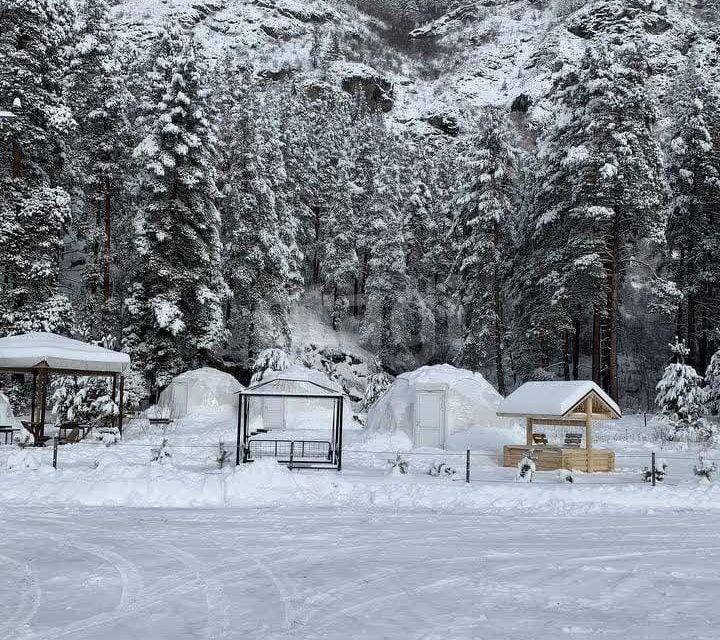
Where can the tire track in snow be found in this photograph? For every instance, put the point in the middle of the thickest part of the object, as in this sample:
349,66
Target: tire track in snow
29,603
218,606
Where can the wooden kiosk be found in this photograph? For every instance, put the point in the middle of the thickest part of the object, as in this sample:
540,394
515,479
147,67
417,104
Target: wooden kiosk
571,404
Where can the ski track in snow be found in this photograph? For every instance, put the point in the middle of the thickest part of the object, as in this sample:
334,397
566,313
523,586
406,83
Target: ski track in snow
327,575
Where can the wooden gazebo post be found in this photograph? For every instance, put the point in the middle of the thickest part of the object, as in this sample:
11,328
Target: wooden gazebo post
528,431
588,431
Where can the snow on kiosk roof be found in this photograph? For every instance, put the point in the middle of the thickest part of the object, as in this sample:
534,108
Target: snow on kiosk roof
558,399
35,351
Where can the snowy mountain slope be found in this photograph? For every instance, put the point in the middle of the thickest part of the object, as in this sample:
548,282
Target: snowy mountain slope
481,53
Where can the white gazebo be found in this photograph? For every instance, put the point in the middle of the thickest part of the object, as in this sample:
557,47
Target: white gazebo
573,403
44,354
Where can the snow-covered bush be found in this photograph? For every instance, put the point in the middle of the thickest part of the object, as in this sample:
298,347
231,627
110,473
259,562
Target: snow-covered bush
377,384
711,392
161,454
680,397
441,469
107,435
565,475
660,471
704,469
223,455
269,360
399,465
526,468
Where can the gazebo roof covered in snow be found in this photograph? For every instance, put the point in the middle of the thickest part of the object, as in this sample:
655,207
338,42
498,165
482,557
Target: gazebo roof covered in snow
558,399
295,381
34,351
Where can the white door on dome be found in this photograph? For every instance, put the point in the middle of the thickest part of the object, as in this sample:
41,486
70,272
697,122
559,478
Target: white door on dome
430,419
273,413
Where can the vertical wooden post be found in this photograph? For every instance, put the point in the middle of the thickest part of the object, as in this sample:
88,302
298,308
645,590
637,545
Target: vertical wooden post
528,431
239,431
121,407
467,466
42,401
588,432
292,454
340,434
33,399
653,468
55,448
114,392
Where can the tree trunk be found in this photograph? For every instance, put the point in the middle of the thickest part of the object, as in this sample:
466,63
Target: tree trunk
107,257
576,348
566,355
316,256
611,311
499,316
16,160
596,347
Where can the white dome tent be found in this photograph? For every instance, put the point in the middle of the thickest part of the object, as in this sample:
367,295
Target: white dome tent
434,402
203,388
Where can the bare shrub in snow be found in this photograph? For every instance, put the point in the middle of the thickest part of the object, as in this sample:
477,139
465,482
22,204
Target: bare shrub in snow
526,468
223,455
398,465
704,469
660,471
161,454
441,469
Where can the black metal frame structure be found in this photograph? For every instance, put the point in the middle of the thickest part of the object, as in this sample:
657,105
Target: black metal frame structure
331,459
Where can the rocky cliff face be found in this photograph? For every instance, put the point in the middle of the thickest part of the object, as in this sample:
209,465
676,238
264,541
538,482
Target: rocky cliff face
500,52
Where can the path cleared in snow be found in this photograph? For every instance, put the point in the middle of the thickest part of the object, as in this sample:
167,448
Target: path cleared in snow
213,574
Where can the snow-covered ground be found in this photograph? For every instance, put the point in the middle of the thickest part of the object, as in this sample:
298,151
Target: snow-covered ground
93,474
318,574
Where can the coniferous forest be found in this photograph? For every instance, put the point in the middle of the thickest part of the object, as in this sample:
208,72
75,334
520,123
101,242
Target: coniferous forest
535,202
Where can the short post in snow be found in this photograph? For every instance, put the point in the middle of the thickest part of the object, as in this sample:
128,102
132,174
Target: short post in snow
55,447
467,465
652,468
292,454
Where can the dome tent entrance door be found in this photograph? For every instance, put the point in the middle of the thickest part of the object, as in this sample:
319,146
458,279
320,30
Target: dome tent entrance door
430,418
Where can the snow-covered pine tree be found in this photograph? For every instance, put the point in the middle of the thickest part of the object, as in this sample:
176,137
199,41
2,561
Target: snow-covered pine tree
259,264
599,190
679,393
711,391
175,306
692,233
34,127
481,223
338,258
386,328
95,86
269,360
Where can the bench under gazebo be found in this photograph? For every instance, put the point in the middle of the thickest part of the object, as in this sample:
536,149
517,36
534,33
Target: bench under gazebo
43,355
572,405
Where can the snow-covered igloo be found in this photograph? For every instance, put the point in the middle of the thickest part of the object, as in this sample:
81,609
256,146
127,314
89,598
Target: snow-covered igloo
203,388
432,403
295,401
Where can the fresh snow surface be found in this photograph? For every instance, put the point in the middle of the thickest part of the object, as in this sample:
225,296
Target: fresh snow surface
272,574
30,349
551,398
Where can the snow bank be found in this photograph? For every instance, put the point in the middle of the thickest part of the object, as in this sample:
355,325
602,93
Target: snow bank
268,484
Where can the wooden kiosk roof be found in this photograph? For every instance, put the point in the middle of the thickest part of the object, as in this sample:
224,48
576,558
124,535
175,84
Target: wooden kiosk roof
559,399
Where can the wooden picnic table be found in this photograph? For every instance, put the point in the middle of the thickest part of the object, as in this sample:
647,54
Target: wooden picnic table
162,421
